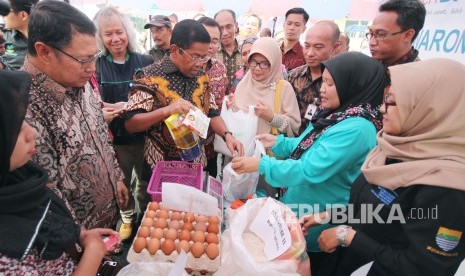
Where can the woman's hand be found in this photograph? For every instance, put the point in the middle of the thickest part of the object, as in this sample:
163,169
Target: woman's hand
328,241
263,111
94,238
308,221
245,164
231,103
268,140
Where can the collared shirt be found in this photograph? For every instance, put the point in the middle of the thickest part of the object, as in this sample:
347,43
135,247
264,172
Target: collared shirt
156,86
294,57
157,53
16,48
73,145
232,62
306,90
410,56
216,71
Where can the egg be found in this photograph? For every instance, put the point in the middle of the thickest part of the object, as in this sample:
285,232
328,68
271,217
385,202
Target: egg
176,216
171,234
201,218
139,244
212,251
157,233
161,223
200,226
153,206
214,219
163,207
151,214
184,245
163,214
198,236
213,228
167,247
153,245
198,249
144,232
175,224
189,217
185,235
187,226
212,238
147,222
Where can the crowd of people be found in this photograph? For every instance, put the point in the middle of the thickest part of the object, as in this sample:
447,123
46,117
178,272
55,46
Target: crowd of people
82,128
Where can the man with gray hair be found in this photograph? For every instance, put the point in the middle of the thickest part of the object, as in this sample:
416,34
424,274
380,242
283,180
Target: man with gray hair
320,44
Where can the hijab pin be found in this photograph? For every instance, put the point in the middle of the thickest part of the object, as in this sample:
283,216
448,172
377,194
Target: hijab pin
273,85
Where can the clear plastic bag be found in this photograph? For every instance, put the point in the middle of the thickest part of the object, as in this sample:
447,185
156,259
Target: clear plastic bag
236,256
240,185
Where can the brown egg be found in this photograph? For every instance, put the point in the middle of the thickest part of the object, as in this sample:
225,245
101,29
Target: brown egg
185,235
200,226
139,244
147,222
163,214
188,226
176,216
150,214
198,236
157,233
153,245
163,207
144,232
171,234
153,206
161,223
198,249
213,228
212,238
212,251
175,224
189,217
214,219
184,245
201,218
167,247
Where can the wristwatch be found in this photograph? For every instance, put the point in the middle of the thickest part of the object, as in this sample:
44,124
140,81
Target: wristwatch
341,234
224,134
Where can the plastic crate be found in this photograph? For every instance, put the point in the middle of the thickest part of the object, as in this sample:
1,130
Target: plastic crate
185,173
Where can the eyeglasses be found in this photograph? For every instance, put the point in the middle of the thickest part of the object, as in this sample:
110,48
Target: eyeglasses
387,101
378,37
262,64
83,62
196,59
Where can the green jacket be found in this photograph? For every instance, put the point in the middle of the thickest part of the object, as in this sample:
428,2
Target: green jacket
324,173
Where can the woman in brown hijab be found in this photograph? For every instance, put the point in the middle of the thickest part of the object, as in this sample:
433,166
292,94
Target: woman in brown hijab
414,178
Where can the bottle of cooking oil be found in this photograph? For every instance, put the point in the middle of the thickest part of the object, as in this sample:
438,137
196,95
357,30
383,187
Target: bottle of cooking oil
186,141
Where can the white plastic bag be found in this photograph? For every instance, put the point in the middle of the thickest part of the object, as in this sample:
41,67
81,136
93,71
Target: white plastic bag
242,124
148,269
236,257
240,185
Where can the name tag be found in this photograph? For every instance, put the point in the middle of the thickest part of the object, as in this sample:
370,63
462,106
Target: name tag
311,109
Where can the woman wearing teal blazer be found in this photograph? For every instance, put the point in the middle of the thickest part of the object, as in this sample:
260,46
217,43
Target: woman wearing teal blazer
315,170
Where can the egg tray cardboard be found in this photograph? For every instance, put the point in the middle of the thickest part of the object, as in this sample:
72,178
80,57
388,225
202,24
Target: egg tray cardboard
202,264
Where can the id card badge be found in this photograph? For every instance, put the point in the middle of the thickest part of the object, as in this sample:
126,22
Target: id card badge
311,109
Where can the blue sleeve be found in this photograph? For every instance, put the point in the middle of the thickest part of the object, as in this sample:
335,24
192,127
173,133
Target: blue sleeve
339,147
284,146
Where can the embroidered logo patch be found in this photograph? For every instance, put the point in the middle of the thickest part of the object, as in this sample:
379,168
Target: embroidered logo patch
447,239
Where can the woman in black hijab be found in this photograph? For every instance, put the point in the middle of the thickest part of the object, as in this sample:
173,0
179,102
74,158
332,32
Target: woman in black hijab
317,168
37,231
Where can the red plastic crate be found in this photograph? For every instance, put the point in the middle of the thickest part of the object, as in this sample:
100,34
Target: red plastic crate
185,173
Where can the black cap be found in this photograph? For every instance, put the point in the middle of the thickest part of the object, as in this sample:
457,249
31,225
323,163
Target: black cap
159,21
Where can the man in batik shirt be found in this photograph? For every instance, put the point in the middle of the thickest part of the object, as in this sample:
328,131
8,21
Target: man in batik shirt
320,43
72,144
174,85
